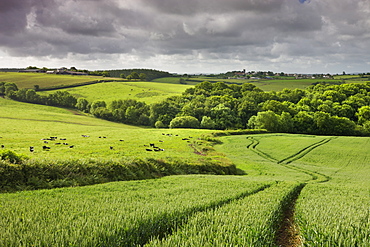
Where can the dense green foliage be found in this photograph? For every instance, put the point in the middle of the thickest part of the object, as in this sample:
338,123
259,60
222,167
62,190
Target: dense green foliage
150,74
59,98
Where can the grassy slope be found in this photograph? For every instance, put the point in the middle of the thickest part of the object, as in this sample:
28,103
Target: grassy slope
28,80
343,159
24,125
149,92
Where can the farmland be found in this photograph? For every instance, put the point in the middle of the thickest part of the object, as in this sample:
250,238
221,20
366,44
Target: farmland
276,84
24,125
149,92
29,80
325,178
333,208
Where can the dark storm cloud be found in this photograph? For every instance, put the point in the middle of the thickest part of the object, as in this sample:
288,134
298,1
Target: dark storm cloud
13,14
243,30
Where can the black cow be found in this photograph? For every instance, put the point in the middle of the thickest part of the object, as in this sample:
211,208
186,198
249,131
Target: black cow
46,148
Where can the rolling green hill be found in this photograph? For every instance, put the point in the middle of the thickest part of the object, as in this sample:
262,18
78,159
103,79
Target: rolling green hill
24,125
149,92
29,80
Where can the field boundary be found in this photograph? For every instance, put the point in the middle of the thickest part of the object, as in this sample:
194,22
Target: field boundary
76,85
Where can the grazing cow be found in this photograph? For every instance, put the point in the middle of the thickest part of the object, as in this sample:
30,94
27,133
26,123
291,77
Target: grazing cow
185,139
121,140
46,142
2,146
148,149
46,148
160,141
111,148
72,146
152,144
85,136
65,143
63,139
31,149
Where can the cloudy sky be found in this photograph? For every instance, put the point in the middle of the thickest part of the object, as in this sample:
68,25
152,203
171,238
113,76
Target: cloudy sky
187,36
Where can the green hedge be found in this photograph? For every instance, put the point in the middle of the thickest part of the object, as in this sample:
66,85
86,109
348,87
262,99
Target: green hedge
46,174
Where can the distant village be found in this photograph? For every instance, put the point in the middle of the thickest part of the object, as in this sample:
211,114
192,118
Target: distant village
242,75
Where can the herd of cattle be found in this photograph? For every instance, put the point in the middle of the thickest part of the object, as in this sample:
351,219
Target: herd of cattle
62,141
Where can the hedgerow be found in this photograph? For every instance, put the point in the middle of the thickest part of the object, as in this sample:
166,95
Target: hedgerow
47,174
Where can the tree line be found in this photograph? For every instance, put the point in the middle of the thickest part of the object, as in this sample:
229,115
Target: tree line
320,109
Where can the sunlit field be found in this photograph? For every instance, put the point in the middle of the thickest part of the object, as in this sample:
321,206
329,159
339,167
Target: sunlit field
149,92
29,80
25,125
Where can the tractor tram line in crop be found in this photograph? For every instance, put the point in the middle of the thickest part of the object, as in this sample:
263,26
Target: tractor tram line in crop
288,231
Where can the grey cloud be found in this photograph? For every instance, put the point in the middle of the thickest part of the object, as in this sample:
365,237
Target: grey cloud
240,30
192,7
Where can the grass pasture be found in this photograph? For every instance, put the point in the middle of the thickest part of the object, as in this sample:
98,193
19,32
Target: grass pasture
24,125
29,80
149,92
